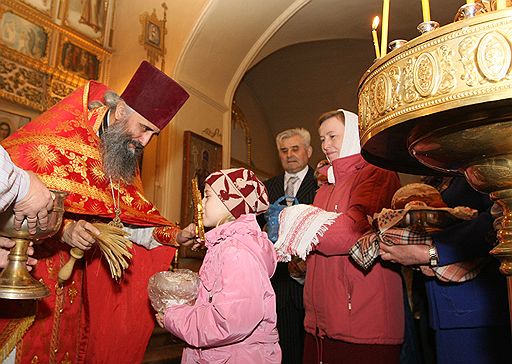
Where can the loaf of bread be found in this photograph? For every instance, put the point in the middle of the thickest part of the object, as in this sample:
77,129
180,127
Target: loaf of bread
417,194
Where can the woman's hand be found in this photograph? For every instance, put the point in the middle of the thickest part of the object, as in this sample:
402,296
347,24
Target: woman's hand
411,254
80,234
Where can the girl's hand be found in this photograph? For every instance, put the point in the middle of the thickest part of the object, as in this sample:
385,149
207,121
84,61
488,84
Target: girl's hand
160,319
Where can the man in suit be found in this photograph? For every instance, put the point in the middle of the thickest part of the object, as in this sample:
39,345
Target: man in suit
298,181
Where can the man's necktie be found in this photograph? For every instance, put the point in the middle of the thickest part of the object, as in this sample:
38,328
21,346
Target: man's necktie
289,190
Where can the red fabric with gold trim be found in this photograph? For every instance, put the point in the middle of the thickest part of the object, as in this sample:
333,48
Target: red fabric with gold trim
165,235
62,147
93,318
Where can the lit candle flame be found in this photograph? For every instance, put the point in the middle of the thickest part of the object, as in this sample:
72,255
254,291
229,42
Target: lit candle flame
375,23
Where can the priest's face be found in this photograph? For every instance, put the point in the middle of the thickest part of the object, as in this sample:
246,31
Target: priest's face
140,128
123,142
121,153
331,132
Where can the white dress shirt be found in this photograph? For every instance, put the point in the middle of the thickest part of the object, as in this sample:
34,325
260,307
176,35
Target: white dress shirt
14,182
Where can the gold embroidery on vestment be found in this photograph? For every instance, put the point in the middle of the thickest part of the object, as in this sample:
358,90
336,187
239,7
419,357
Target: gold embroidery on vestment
41,157
52,140
72,292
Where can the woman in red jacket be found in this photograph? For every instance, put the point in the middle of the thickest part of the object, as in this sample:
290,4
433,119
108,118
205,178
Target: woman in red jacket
352,316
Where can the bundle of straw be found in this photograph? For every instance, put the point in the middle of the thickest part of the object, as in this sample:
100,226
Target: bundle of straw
115,247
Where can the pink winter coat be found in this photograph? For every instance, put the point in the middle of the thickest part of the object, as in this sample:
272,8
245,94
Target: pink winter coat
342,301
234,317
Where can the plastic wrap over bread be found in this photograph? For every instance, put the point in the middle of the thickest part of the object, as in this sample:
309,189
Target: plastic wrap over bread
176,287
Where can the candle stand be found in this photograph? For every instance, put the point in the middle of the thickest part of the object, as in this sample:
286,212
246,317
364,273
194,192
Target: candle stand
15,280
442,104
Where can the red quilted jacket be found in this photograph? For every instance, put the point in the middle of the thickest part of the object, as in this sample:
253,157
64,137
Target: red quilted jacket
342,301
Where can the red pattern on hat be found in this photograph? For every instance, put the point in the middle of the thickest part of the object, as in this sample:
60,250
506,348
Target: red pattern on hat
239,190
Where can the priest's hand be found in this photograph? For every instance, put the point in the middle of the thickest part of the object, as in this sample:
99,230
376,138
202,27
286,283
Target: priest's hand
80,234
34,206
5,246
187,237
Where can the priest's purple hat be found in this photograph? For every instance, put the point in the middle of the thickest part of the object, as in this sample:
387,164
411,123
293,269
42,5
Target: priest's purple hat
154,95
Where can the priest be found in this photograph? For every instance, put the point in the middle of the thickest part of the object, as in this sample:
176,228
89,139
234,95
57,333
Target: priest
89,145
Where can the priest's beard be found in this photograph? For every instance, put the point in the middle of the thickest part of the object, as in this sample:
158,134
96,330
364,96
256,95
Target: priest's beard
121,154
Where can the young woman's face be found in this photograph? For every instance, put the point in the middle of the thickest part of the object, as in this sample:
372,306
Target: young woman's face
213,208
331,133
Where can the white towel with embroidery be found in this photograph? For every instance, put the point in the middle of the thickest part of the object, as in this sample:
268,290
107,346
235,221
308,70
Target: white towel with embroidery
299,229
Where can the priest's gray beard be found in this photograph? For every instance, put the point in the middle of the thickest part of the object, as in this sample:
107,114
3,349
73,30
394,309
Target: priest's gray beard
121,154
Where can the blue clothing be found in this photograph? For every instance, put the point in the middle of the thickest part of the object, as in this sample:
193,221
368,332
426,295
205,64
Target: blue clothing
476,310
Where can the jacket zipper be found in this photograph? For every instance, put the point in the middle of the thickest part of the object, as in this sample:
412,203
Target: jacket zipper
348,286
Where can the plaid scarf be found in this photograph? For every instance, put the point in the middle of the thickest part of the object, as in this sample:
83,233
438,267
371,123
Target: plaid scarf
366,250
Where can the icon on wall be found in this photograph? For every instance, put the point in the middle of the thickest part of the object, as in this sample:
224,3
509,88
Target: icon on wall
10,122
153,36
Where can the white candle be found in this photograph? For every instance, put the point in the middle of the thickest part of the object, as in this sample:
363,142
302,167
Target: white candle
375,25
425,8
385,23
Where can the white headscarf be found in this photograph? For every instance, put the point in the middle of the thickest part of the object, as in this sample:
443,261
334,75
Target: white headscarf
350,144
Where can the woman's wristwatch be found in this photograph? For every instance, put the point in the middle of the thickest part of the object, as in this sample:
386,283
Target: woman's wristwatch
433,257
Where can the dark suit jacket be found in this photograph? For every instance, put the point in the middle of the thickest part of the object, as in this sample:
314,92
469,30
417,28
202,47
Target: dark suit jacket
305,194
288,291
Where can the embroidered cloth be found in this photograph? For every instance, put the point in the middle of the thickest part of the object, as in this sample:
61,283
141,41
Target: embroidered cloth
299,229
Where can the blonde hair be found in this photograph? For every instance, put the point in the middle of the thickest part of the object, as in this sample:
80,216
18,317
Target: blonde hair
303,133
228,218
339,114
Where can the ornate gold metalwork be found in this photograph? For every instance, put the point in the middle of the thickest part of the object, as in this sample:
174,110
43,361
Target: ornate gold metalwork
458,65
198,210
448,111
39,82
23,85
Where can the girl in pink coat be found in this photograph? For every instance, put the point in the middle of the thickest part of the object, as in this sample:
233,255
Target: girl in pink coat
233,319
